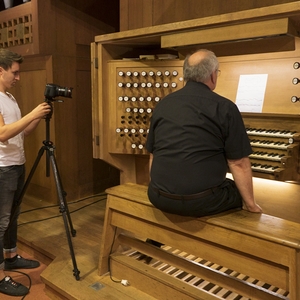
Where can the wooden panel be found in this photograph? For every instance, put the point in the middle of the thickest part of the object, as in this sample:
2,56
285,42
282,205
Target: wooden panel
124,14
135,14
16,28
170,11
246,31
279,89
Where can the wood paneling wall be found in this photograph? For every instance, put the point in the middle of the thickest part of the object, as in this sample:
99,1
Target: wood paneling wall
145,13
59,53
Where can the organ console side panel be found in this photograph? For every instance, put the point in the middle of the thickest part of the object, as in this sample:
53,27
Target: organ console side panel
137,88
129,88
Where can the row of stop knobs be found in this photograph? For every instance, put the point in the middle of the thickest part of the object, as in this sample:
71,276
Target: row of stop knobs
295,81
150,73
147,84
140,99
133,132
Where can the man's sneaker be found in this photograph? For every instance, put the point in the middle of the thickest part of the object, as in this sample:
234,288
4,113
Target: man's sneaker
20,263
12,288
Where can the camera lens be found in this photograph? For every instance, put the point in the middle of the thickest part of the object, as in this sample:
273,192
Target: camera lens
64,91
54,90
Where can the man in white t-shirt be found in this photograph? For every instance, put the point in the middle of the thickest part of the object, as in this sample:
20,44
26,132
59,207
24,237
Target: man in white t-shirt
13,128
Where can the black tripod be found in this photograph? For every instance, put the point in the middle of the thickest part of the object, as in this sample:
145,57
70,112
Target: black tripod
63,208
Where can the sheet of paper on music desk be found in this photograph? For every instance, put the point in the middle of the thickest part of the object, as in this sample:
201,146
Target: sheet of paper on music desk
251,92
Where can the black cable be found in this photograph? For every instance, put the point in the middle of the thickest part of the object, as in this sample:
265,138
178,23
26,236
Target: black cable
56,216
55,205
50,206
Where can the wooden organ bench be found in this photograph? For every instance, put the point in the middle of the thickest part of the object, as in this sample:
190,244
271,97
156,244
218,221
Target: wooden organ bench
234,255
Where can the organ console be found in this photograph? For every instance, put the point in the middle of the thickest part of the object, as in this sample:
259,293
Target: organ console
126,90
137,86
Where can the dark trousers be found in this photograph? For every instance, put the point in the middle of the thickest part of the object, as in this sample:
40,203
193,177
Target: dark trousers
11,185
224,198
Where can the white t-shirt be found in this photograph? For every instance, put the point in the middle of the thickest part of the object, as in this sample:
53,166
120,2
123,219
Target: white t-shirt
11,151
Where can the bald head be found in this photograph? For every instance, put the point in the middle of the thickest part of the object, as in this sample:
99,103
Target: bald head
197,57
200,67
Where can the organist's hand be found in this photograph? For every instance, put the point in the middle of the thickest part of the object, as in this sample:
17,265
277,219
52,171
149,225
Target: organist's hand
255,208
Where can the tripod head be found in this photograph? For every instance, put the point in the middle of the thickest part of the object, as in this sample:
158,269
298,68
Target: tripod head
52,91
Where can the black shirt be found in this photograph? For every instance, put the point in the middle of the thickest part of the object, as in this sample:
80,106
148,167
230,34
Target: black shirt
192,133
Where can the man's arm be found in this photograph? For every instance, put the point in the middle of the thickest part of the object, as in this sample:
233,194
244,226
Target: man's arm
150,164
31,126
242,175
8,131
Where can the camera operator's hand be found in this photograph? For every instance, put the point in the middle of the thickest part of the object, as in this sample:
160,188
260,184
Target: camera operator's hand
41,111
38,113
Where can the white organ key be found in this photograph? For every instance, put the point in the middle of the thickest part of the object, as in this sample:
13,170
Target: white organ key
156,264
203,284
194,280
191,257
183,254
241,276
215,267
232,296
136,255
162,266
169,269
176,251
165,247
178,272
222,292
282,292
186,277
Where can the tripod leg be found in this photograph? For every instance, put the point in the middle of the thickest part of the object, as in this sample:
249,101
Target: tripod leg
37,160
61,193
63,210
31,173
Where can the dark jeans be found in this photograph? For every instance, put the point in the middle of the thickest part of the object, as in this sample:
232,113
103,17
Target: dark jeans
224,198
11,184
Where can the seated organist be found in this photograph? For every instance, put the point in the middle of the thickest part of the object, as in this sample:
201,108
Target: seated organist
194,136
